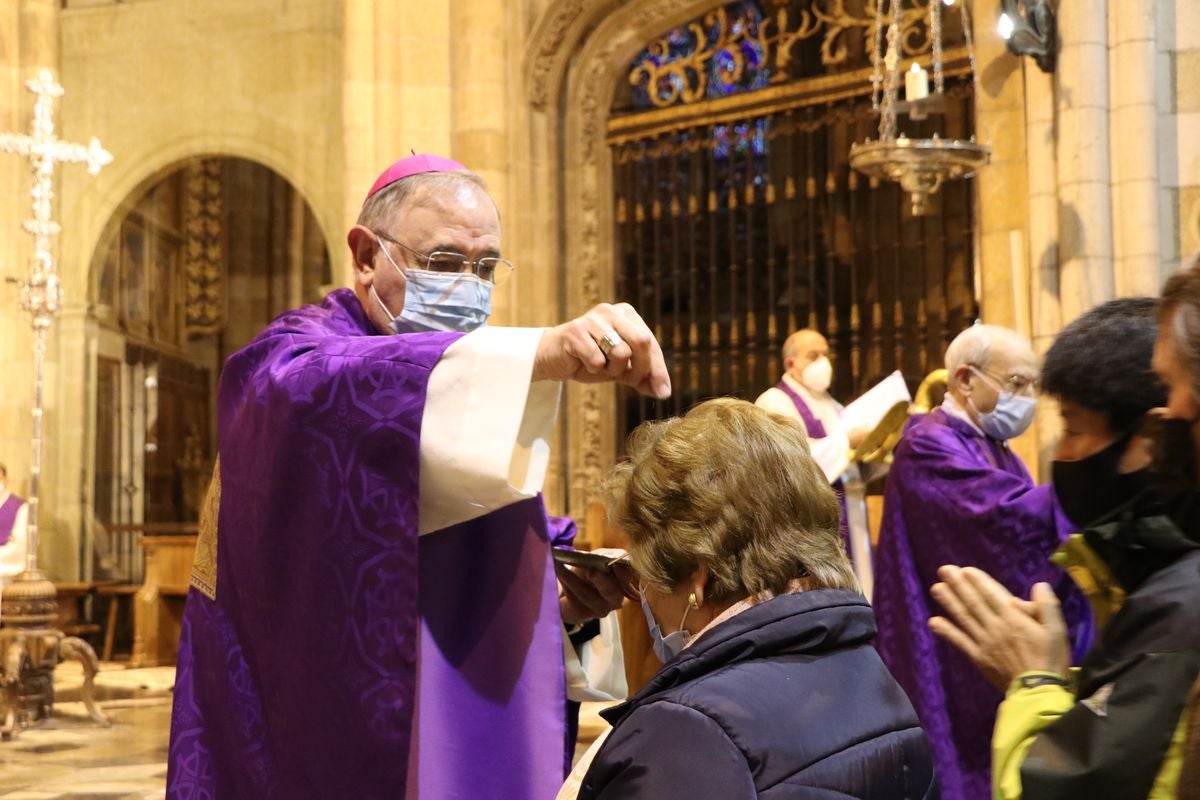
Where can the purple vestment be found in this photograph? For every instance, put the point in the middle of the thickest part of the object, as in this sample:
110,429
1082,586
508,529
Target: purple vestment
343,655
8,516
816,430
954,496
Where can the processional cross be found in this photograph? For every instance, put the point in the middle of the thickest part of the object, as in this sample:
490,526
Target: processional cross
30,648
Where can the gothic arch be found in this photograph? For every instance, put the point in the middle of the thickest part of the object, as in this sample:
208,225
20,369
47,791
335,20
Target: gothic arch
578,53
132,172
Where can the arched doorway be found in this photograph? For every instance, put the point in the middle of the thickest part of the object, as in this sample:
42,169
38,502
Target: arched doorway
585,120
189,268
739,219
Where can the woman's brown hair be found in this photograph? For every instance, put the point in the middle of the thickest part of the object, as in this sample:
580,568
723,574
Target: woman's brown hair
733,486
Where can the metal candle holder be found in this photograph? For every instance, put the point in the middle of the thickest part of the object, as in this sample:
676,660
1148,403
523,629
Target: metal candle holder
920,166
30,646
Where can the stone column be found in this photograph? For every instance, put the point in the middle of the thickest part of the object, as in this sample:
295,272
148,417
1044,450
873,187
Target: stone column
39,36
396,95
1134,148
1003,260
1045,311
1085,200
478,104
1000,123
1180,35
16,338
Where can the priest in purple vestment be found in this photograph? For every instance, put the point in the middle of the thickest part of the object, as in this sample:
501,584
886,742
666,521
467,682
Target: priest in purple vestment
14,513
374,611
957,494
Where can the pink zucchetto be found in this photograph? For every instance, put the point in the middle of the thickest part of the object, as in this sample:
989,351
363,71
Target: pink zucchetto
413,165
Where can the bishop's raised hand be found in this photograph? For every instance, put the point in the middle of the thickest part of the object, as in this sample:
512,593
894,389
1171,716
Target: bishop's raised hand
608,343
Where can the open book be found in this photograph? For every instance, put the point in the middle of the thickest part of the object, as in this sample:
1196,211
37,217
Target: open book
882,410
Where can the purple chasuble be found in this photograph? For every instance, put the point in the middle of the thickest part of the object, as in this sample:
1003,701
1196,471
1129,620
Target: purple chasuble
954,496
8,516
344,656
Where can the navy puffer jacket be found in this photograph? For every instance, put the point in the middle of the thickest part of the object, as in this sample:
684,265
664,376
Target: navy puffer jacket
785,700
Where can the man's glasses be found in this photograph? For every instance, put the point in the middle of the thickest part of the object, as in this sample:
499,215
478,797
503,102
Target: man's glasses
492,270
1017,384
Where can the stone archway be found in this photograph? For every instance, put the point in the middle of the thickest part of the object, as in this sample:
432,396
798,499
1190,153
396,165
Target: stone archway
579,55
578,52
188,267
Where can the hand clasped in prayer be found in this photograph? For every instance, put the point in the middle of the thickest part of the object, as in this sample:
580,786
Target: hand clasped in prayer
1002,634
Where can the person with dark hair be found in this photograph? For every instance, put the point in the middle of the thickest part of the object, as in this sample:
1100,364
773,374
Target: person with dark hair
14,513
1177,362
1101,362
1116,728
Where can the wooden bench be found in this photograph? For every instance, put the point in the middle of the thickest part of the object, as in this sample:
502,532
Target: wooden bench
71,618
158,605
167,549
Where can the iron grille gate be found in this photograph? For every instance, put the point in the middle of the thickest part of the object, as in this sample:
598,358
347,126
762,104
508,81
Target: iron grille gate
733,234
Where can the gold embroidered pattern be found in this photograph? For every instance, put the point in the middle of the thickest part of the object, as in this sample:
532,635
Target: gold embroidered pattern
204,565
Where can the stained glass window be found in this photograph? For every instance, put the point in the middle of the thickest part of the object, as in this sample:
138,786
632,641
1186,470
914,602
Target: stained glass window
725,45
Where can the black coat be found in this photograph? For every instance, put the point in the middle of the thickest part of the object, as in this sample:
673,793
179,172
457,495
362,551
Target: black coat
787,699
1134,683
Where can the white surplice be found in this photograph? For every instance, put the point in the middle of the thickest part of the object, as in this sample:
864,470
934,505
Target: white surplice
832,453
485,444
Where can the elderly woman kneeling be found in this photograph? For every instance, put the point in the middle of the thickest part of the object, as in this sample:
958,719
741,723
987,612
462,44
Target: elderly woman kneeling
770,686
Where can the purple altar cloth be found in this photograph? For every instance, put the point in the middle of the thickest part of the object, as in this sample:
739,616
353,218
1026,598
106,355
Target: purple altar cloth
344,656
954,496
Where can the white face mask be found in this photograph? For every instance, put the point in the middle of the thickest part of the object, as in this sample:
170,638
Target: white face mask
817,376
671,645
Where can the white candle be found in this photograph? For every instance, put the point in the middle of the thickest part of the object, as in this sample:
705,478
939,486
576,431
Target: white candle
916,83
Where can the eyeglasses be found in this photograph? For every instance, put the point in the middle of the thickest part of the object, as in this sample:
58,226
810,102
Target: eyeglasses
1017,384
492,270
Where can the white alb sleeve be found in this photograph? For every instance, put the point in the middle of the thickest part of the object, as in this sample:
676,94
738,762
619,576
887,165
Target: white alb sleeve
486,429
597,672
832,454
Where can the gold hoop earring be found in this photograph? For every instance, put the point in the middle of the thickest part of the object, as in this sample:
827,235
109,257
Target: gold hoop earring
692,601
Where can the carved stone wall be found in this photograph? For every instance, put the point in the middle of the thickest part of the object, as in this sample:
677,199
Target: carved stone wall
579,52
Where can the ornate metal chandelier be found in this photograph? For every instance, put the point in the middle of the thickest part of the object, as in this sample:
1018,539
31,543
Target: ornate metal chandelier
920,166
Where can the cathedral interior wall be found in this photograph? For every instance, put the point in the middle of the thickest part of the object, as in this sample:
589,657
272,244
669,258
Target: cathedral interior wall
1093,190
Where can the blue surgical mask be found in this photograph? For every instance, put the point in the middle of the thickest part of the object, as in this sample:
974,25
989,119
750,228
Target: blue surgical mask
671,645
1010,418
439,301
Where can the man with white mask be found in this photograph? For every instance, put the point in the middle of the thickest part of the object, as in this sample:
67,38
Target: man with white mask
956,493
803,395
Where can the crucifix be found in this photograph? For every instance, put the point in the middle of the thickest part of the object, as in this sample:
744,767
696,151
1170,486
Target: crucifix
30,647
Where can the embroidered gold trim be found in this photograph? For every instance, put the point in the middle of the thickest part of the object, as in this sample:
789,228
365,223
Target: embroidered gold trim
204,565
